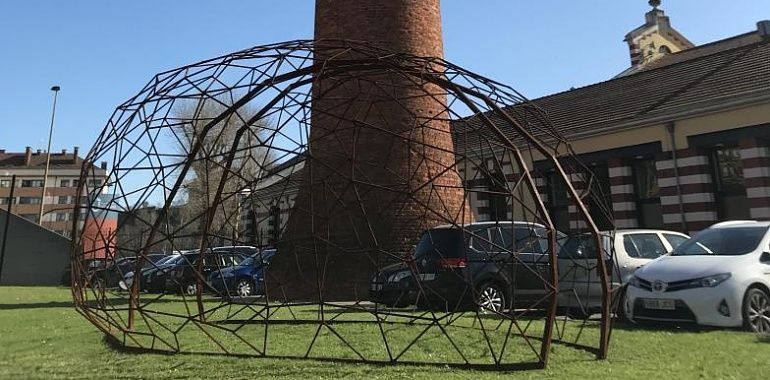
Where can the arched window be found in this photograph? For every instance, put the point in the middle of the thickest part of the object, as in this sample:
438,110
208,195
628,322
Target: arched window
664,49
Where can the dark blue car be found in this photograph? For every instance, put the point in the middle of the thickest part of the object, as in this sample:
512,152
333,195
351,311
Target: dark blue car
244,279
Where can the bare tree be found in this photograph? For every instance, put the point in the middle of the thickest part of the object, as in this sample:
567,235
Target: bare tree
228,157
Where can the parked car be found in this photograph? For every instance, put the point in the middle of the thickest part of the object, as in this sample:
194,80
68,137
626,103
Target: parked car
110,276
496,265
580,287
148,273
471,267
244,279
89,266
180,276
721,277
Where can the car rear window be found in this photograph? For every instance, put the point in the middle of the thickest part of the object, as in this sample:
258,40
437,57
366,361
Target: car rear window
444,242
643,245
520,239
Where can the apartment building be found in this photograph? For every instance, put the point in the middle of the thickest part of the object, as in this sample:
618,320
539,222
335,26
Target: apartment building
25,197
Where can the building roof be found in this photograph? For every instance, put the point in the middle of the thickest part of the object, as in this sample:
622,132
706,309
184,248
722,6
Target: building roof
700,51
36,160
712,77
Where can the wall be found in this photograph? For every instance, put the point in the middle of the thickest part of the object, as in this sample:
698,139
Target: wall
33,255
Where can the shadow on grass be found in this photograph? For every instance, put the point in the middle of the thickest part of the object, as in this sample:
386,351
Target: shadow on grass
671,327
117,346
40,305
69,304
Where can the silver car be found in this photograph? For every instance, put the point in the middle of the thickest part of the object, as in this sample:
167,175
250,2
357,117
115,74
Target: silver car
580,291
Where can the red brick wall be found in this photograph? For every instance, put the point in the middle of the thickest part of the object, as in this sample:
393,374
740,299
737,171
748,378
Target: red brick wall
412,26
378,174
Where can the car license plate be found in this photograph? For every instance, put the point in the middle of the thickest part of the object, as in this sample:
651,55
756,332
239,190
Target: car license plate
659,304
427,276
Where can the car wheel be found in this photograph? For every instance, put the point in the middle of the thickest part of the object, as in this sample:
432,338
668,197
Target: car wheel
402,300
491,298
191,288
756,310
98,284
244,287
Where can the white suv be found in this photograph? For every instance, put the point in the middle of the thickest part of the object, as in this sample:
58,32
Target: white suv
720,277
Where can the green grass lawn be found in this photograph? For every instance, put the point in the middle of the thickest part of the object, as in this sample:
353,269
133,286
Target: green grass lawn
42,336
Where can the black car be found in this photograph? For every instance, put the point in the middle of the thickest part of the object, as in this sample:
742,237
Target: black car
180,277
152,276
489,265
111,275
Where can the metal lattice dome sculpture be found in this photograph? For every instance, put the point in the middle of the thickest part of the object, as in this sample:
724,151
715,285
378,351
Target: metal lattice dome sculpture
370,190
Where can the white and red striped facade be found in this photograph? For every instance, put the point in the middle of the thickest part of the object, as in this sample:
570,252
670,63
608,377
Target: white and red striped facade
687,199
755,157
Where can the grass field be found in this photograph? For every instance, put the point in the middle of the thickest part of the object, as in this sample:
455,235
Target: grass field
42,336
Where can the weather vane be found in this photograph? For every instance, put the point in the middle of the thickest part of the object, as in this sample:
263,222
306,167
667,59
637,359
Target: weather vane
654,3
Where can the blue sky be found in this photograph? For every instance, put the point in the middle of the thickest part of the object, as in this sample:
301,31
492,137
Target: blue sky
103,52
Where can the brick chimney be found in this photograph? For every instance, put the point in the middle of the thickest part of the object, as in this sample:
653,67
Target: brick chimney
75,155
763,29
359,221
27,156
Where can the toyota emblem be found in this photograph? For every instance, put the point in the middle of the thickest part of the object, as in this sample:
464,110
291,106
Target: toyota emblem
659,286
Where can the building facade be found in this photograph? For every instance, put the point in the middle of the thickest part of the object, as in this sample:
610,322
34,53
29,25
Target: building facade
61,187
680,140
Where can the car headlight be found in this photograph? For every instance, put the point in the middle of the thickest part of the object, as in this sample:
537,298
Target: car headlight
398,276
712,281
634,281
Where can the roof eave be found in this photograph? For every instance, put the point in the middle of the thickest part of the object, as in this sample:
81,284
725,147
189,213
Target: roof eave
707,108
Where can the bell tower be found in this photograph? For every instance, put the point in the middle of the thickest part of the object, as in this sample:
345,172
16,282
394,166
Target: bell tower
655,39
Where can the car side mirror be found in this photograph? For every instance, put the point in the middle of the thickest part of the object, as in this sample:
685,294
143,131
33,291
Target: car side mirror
765,258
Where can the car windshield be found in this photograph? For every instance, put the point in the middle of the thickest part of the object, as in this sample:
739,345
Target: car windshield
182,259
150,263
722,241
166,260
266,256
247,262
578,247
447,242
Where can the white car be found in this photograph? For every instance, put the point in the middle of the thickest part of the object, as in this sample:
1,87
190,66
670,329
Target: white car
580,290
720,277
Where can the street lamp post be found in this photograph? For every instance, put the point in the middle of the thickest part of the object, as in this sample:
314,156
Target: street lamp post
55,90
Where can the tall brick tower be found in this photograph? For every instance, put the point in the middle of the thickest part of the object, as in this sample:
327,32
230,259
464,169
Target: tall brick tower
380,160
